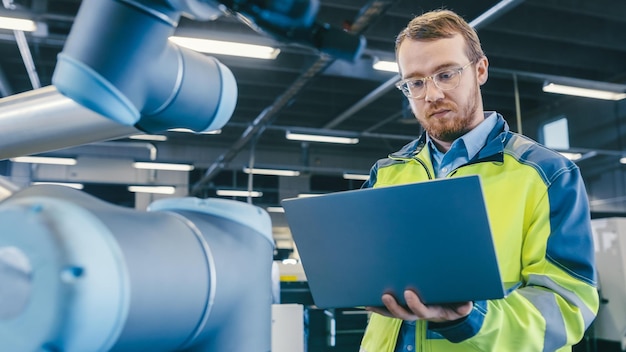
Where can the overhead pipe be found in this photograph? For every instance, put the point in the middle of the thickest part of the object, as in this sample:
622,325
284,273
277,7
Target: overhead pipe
494,12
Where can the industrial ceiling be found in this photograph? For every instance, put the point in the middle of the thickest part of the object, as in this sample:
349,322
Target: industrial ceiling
304,89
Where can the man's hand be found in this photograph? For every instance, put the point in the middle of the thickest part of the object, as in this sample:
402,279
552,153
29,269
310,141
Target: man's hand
416,310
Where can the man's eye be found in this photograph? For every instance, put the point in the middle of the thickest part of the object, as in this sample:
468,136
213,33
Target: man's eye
418,83
446,75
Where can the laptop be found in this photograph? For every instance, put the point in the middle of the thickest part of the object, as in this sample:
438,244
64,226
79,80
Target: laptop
431,237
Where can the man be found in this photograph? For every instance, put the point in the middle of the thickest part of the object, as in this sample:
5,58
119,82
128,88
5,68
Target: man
536,202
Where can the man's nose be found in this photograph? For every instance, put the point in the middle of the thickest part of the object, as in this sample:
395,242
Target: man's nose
433,93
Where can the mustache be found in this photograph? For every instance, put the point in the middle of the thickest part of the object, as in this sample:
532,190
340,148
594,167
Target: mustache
439,107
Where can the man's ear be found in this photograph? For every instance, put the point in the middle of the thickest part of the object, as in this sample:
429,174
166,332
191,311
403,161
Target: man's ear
482,72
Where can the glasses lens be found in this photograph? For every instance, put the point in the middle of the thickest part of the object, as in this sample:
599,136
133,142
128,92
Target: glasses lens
412,89
448,79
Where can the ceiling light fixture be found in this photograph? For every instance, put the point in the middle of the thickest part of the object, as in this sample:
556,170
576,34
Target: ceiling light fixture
17,24
271,172
307,195
186,130
387,66
275,209
66,184
163,166
44,160
152,189
320,138
238,193
358,177
149,137
586,92
227,48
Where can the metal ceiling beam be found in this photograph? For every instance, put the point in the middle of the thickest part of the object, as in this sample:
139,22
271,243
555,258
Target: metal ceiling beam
27,57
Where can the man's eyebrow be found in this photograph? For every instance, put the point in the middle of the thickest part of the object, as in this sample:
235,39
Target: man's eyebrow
435,70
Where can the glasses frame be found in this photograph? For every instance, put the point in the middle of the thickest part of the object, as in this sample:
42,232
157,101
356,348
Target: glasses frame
407,92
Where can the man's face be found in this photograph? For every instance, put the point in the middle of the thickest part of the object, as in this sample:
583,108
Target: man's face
445,115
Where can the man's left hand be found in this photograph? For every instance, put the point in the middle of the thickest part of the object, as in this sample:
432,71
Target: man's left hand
416,310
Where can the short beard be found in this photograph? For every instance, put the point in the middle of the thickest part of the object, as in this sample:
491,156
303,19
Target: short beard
450,130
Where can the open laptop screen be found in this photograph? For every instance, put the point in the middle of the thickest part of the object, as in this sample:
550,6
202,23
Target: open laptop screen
432,237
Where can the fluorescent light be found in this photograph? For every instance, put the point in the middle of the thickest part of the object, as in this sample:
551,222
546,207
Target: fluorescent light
389,66
186,130
273,172
17,24
275,209
149,137
622,160
44,160
237,193
307,195
152,189
163,166
320,138
571,156
583,92
358,177
66,184
227,48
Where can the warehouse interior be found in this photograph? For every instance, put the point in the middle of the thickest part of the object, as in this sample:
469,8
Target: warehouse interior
333,89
